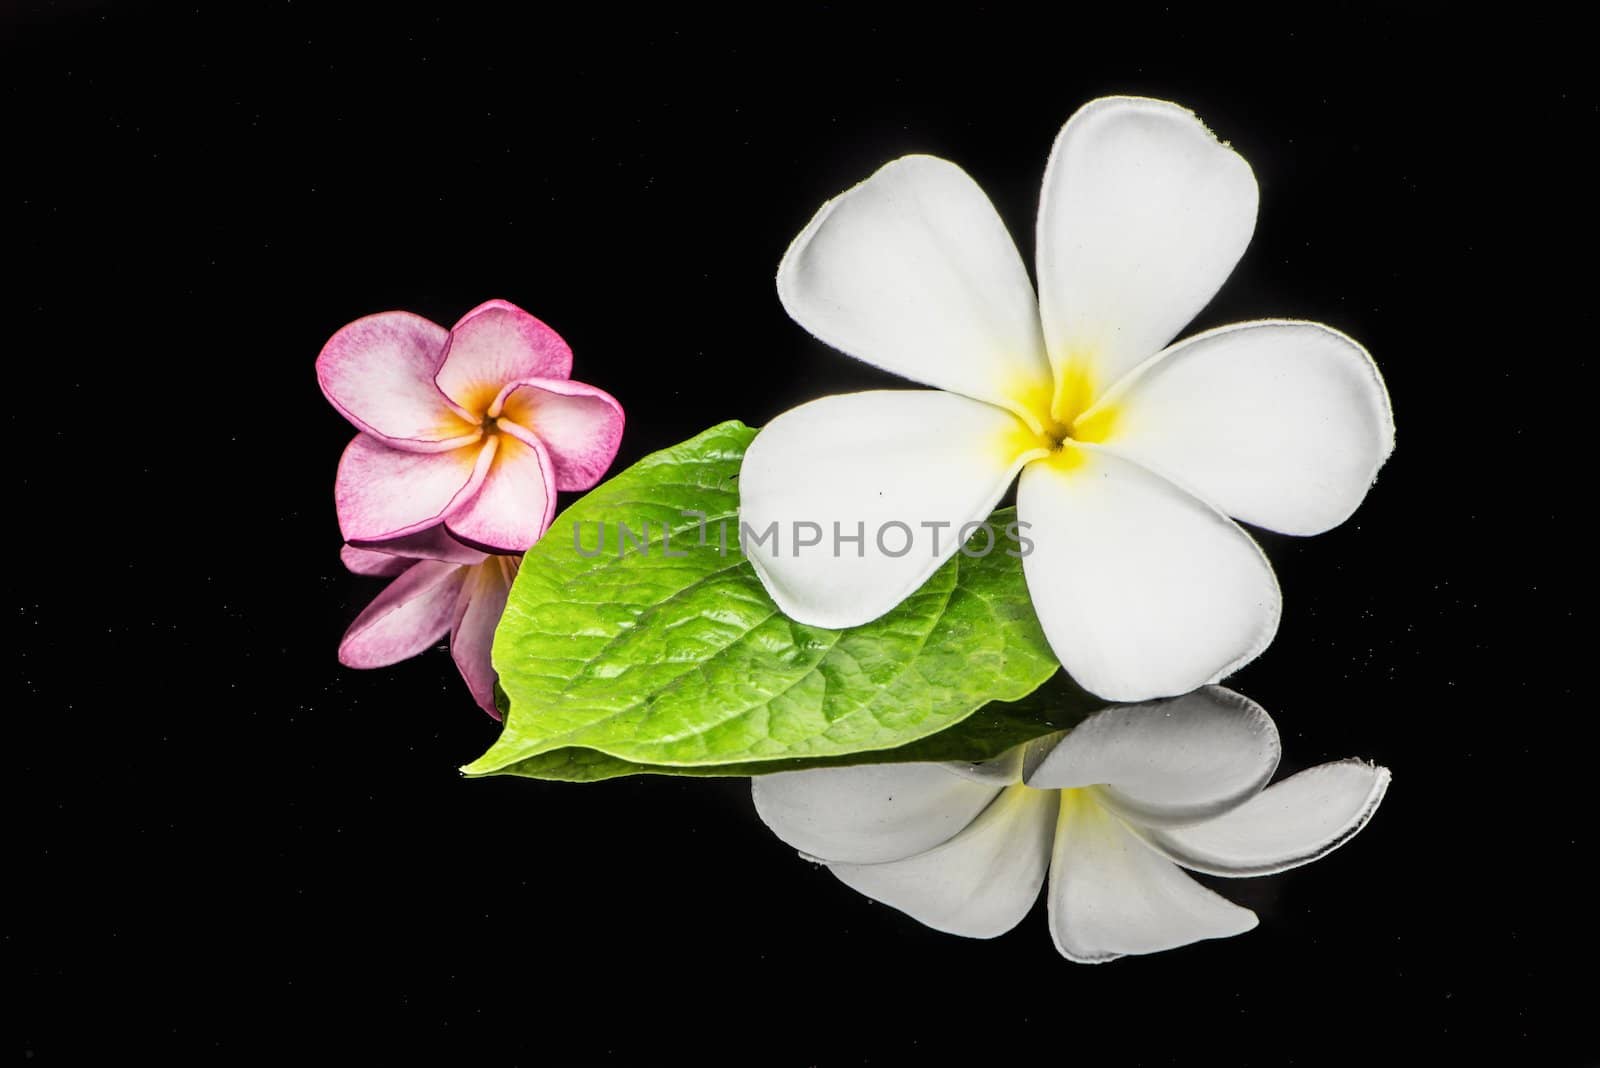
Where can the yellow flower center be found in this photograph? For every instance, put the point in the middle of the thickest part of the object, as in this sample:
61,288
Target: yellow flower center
1053,419
489,421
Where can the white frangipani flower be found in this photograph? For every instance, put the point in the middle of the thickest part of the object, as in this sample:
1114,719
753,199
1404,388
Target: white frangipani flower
1132,455
1110,810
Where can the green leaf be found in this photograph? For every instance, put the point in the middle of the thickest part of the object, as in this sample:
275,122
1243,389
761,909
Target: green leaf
672,653
1057,705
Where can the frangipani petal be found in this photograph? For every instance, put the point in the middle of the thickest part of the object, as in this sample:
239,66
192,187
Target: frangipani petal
517,500
431,543
1280,424
891,466
378,371
383,493
477,612
1111,894
579,426
1294,822
1002,770
495,343
412,613
912,271
1143,590
979,884
871,813
367,562
1178,761
1143,215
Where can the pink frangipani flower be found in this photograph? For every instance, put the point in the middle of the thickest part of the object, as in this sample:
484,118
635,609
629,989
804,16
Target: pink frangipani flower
474,428
440,586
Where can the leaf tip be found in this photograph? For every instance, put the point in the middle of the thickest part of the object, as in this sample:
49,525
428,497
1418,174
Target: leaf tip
487,764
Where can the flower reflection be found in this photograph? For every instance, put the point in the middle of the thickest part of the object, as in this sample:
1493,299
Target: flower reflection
1111,811
440,586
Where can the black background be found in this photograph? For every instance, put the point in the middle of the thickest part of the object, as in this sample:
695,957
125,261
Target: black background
222,843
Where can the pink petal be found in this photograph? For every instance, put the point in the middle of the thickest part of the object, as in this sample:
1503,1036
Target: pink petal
412,613
383,493
433,543
478,609
579,426
367,562
496,343
517,499
378,372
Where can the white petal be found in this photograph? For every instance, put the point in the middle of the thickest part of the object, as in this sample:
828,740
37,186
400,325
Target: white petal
1179,761
912,271
1294,822
1143,215
871,813
979,884
1002,770
1280,424
887,466
1110,894
1143,590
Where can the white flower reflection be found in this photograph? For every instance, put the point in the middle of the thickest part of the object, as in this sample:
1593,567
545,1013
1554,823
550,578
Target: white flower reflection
1112,810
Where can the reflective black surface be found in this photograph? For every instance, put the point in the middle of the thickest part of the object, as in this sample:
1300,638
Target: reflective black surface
223,842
